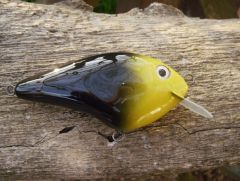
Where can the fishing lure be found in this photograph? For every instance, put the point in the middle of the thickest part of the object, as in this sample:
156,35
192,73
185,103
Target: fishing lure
128,91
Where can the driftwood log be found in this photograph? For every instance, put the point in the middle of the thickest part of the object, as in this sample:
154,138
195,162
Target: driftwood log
35,38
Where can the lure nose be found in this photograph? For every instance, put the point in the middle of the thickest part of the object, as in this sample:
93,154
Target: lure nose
179,91
27,88
179,87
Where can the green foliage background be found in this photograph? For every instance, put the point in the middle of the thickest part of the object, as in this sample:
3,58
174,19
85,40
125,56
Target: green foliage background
106,6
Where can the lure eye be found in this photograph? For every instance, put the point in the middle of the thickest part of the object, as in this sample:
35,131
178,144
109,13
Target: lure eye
163,72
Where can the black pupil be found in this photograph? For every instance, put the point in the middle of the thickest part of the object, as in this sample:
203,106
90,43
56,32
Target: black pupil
162,72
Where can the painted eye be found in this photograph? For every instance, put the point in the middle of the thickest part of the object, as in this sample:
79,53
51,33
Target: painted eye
163,72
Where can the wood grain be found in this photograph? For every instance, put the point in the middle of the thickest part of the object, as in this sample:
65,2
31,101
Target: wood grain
34,38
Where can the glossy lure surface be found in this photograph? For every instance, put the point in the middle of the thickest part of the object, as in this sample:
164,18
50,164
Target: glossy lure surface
126,90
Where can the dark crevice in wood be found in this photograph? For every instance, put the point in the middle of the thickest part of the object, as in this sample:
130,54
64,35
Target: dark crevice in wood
66,129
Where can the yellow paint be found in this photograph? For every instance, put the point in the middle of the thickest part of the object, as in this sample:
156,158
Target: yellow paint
153,97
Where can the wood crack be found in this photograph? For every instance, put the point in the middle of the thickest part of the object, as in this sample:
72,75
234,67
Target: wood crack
206,129
44,140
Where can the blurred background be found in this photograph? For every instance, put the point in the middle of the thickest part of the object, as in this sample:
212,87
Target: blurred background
213,9
217,9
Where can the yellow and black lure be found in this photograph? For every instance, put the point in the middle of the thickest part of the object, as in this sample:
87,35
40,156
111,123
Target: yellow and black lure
127,90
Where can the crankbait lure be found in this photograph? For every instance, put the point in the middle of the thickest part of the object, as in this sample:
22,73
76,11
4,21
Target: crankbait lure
127,90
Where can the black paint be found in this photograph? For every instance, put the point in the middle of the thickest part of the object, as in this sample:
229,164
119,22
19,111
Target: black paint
93,88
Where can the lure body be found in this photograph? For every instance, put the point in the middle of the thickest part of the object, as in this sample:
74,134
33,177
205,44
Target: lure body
127,90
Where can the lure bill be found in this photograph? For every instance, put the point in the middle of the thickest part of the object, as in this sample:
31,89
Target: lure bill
126,90
196,108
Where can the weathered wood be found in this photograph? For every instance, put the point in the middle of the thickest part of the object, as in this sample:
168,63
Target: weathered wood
34,38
